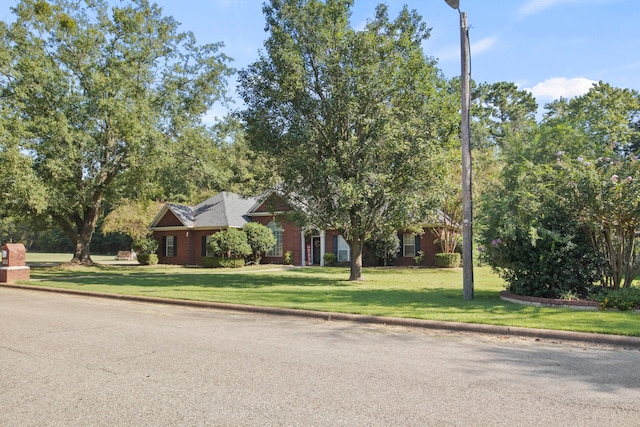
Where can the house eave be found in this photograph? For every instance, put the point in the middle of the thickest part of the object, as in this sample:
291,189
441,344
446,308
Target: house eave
203,228
171,228
263,214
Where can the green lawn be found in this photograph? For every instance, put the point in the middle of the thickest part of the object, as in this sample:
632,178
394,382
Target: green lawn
434,294
52,258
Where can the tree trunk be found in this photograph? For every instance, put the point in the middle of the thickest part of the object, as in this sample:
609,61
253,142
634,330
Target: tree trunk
356,260
81,253
81,232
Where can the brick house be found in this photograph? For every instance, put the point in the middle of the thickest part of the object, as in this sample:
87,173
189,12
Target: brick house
182,232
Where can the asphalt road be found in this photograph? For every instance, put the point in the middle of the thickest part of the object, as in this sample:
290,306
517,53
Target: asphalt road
79,361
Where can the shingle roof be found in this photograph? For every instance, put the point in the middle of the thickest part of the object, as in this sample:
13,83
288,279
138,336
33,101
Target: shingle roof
220,211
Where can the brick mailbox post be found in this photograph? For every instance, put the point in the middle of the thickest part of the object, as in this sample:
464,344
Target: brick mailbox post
14,263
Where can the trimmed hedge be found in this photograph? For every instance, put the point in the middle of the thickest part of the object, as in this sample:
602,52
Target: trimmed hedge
147,259
219,262
448,260
330,259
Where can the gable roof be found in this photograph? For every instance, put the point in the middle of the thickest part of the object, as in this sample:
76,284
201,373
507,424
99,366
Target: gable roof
224,210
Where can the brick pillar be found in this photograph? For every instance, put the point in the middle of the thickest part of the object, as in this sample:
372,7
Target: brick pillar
14,263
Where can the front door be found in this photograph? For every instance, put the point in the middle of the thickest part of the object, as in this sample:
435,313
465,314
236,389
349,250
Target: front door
315,245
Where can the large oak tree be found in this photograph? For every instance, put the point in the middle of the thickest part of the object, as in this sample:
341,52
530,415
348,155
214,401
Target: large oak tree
352,118
91,96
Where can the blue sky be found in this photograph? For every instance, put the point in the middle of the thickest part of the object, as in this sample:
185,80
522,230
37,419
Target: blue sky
551,47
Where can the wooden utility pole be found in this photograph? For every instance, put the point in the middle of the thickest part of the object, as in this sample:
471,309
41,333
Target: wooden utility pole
465,133
467,204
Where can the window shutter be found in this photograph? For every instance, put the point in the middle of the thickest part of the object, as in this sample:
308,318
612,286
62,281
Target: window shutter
417,243
401,247
204,245
334,242
163,250
175,245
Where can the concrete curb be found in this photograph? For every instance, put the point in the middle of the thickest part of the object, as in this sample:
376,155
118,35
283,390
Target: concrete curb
546,334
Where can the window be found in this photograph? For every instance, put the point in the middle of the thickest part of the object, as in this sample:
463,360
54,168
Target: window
344,254
277,231
170,248
409,245
205,246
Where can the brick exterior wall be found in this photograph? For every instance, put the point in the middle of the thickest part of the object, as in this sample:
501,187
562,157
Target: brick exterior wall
429,248
189,243
290,239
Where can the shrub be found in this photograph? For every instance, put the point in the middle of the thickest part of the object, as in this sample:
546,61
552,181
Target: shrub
288,258
448,260
546,261
384,246
622,299
230,243
330,259
147,259
145,246
145,251
220,262
418,258
259,238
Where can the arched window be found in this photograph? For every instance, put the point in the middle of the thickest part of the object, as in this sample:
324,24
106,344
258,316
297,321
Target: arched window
277,231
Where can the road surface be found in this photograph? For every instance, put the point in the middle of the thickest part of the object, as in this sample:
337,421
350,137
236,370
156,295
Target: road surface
80,361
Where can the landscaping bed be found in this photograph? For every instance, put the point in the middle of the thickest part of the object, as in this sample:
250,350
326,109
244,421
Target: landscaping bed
549,302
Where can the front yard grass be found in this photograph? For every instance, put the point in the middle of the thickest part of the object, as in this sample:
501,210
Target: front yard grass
423,293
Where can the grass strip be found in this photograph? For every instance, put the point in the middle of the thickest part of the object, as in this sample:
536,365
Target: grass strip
421,293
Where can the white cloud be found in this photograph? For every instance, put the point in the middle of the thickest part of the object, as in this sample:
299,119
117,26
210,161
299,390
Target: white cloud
557,87
483,45
534,6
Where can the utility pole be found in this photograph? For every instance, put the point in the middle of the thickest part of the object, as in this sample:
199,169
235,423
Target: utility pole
467,203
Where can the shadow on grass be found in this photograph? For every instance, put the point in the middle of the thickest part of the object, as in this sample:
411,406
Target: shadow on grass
303,286
211,280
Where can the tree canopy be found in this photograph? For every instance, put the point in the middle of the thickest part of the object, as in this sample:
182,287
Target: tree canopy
566,210
351,118
93,95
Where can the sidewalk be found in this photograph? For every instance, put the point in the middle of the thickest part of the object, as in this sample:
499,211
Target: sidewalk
546,334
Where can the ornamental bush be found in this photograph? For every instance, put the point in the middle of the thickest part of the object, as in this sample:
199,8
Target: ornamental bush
229,243
330,259
145,246
547,261
384,246
623,299
259,238
147,259
146,251
220,262
448,260
530,235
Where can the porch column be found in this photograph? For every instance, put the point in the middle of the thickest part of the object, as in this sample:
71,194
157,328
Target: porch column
322,247
303,249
